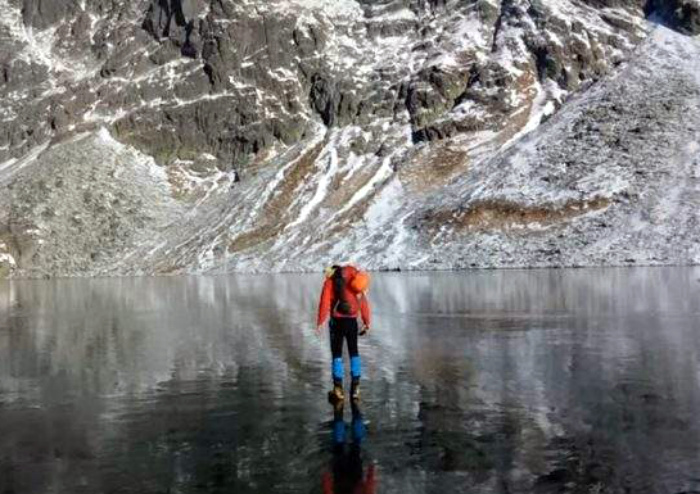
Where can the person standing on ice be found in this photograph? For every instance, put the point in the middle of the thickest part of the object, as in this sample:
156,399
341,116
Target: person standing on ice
343,299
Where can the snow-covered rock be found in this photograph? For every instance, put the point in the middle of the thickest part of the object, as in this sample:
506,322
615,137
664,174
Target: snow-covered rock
197,135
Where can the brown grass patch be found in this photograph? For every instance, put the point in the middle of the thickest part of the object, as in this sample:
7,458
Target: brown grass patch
505,215
438,168
344,187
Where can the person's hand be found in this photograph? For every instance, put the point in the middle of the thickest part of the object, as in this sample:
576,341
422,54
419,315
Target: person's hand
365,331
319,330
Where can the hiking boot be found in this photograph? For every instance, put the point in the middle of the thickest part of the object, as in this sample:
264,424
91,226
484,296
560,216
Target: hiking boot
355,391
338,407
337,393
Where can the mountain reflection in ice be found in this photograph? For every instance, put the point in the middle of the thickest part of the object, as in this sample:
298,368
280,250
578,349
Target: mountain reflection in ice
510,381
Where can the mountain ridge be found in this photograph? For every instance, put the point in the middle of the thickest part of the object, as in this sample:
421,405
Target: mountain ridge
288,135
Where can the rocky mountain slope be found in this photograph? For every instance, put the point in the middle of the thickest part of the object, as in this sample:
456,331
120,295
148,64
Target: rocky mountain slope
169,136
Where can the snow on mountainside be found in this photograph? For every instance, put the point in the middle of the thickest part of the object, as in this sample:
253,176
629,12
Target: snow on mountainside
196,136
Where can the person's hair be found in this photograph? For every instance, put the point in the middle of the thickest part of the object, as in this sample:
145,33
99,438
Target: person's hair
342,305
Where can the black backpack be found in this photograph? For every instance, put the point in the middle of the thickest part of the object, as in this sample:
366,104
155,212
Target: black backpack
340,305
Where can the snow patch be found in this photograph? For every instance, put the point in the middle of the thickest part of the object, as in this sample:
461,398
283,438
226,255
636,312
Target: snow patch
542,106
324,183
331,8
7,259
403,14
12,166
383,208
383,173
5,256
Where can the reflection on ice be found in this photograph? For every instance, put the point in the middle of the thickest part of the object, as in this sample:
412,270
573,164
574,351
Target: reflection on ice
346,472
508,381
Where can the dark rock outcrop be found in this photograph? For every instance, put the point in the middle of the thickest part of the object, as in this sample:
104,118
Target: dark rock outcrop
175,20
683,15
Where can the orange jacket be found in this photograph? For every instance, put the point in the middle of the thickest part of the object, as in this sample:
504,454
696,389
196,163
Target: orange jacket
358,302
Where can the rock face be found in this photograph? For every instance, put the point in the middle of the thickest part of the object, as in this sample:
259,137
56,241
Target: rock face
280,131
174,20
180,77
683,15
84,204
611,179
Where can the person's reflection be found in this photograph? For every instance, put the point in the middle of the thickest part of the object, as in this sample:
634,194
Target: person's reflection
346,474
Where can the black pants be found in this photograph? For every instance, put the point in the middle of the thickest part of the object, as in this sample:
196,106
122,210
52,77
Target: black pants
344,328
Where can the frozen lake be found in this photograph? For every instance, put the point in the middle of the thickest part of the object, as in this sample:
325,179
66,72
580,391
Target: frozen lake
548,381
